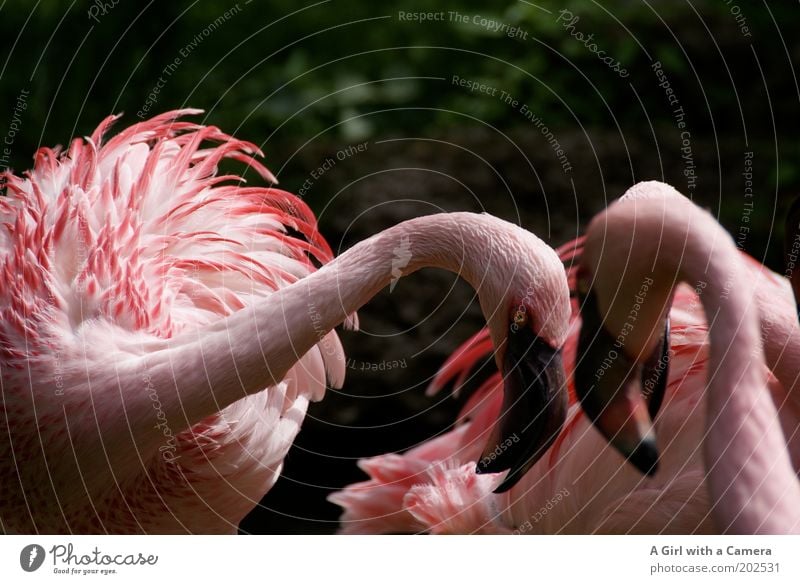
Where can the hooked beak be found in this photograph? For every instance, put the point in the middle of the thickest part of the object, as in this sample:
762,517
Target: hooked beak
620,396
534,407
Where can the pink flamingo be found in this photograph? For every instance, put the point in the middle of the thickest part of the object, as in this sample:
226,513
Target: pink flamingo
163,329
582,485
751,481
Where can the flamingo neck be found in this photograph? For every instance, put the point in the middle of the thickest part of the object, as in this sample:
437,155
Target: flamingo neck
299,316
751,482
254,348
316,304
748,468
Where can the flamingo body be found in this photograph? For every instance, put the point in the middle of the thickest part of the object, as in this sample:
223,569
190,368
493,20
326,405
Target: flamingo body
582,485
164,327
596,492
105,249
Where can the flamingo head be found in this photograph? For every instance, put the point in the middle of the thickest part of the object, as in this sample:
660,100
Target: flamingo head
526,304
623,347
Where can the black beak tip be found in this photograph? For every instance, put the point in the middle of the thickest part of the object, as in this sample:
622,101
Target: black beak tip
645,457
534,409
480,468
511,479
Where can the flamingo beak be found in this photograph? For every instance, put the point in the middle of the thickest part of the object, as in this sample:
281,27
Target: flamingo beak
534,407
620,396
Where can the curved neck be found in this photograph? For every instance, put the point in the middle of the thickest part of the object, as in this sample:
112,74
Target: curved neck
751,482
199,374
456,242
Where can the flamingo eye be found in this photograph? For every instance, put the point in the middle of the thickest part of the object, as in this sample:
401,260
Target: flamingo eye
520,317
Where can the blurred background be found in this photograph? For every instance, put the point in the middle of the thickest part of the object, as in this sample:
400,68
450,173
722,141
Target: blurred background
540,113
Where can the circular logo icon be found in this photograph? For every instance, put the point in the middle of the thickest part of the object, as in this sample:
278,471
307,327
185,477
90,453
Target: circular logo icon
31,557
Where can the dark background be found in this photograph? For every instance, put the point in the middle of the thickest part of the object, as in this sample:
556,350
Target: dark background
306,81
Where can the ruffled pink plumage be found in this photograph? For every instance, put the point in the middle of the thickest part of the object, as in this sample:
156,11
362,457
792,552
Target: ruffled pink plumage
119,241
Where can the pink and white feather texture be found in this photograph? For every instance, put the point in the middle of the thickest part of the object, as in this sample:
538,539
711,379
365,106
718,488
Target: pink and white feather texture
164,327
107,247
